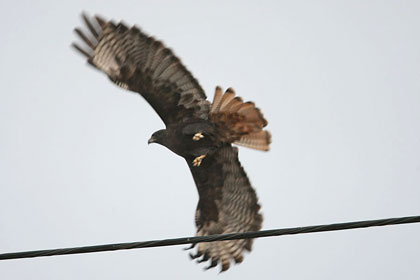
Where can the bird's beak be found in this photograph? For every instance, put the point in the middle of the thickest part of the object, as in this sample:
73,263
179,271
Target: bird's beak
151,140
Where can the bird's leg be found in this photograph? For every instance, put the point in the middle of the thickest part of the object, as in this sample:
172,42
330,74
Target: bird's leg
197,161
198,136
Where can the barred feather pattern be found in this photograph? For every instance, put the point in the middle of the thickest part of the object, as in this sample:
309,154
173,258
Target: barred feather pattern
140,63
228,203
239,122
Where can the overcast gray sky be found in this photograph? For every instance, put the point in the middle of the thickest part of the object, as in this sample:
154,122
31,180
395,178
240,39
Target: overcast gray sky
338,82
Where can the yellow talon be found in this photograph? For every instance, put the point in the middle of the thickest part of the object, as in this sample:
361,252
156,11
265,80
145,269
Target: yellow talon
198,136
197,161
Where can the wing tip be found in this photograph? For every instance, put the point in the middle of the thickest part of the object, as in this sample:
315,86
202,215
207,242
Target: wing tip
80,50
100,20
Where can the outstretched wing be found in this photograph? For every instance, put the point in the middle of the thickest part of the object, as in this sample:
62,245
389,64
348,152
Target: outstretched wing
227,204
140,63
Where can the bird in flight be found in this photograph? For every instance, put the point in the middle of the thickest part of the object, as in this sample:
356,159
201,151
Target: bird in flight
197,130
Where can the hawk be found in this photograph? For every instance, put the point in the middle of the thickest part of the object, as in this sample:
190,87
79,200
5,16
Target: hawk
197,130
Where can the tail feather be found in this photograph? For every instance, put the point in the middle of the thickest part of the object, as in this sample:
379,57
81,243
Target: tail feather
215,106
240,122
236,104
259,141
227,98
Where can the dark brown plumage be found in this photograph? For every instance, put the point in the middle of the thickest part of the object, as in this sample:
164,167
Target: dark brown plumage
198,131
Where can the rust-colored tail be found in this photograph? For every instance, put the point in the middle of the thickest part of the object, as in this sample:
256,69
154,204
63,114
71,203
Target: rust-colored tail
240,122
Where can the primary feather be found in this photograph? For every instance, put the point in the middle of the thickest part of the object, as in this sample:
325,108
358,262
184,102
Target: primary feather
140,63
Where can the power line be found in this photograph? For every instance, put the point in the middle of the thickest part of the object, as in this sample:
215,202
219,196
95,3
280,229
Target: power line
210,238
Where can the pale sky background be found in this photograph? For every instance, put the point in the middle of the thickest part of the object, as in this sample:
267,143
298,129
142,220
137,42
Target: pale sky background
338,81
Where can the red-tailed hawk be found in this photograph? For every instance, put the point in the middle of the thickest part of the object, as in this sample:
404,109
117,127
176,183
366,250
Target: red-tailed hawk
196,130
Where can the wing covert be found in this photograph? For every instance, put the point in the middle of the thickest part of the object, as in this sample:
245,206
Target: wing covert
140,63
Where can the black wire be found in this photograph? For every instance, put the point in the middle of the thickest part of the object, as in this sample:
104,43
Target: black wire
210,238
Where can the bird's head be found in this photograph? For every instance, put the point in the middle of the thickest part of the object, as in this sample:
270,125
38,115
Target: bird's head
158,137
